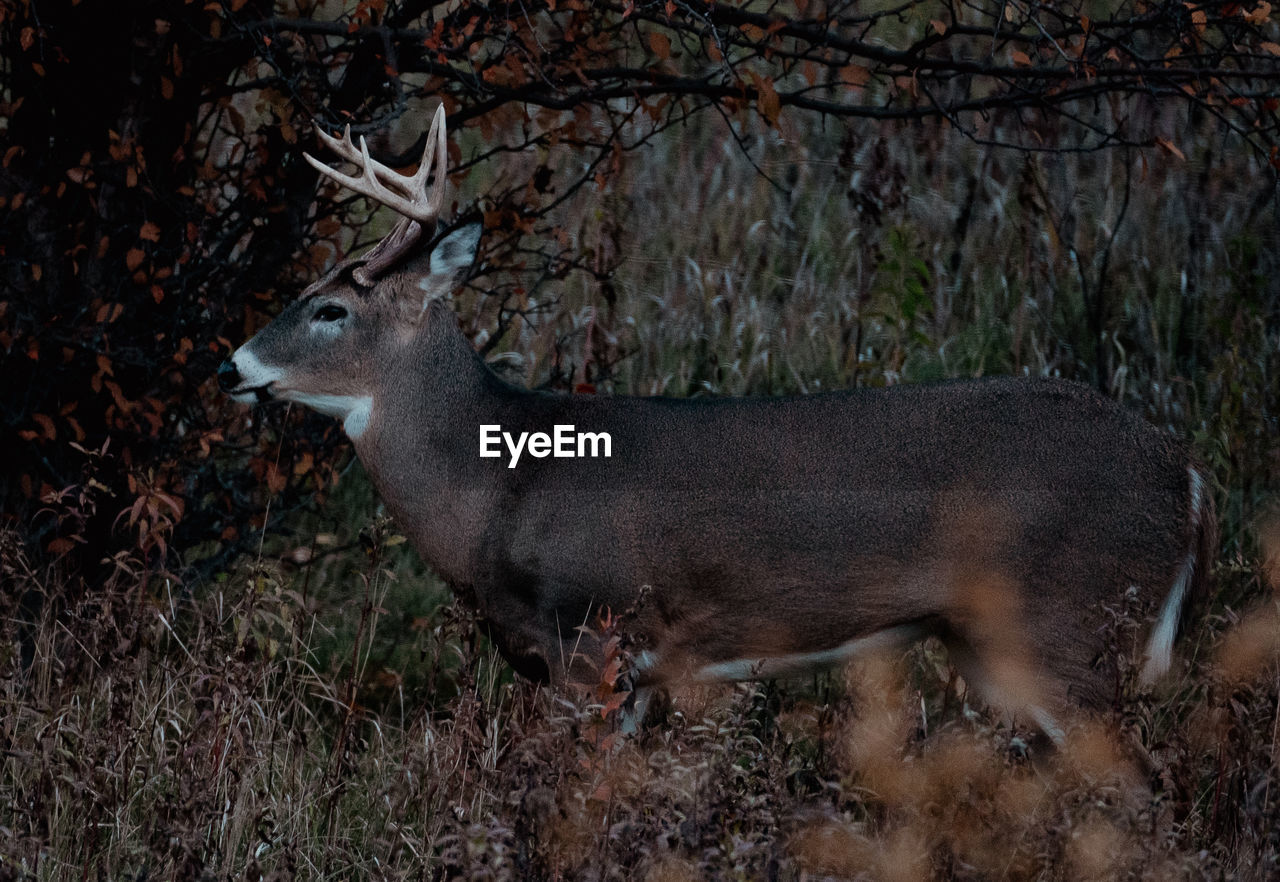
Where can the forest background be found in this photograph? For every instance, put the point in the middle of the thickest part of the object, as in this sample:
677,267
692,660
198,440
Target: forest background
220,661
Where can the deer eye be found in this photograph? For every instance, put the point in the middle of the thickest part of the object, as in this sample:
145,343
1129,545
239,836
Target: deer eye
330,313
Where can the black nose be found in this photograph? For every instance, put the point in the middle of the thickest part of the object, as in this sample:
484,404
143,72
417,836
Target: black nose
228,376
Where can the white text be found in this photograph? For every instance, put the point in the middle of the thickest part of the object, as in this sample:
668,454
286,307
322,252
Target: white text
562,443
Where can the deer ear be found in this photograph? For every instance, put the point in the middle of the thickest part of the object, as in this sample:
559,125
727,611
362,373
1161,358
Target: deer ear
448,262
454,254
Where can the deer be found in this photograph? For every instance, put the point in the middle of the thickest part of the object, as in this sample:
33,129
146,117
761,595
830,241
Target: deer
747,537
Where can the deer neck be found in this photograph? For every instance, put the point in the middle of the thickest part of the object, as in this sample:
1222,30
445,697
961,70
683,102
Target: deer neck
420,443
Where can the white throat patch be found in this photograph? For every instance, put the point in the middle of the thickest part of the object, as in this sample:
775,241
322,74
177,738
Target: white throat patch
353,410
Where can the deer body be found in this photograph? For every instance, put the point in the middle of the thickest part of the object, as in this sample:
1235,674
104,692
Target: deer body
782,528
752,537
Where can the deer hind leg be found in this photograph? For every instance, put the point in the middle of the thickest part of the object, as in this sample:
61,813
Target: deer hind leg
988,631
1021,659
1010,686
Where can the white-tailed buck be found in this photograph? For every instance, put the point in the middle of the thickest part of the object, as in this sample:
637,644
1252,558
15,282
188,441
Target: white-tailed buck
751,537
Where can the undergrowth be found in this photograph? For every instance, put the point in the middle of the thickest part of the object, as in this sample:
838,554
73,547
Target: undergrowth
158,735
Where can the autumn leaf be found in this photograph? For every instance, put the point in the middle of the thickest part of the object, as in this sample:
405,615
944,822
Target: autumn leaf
767,100
304,464
613,703
1020,58
660,44
498,75
61,545
46,425
855,75
276,480
1170,147
149,233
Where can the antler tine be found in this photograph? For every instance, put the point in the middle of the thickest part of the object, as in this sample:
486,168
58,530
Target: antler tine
437,148
347,149
377,180
442,163
343,146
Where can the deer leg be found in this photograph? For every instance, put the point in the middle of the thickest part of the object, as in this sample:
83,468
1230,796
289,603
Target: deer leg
1007,682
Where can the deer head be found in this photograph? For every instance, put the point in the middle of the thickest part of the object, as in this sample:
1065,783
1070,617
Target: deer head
322,349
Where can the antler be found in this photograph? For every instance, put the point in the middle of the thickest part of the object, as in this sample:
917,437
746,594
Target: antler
407,195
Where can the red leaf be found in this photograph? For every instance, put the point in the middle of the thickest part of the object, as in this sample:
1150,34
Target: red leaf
767,100
276,480
1170,147
660,44
61,545
855,75
1259,15
46,424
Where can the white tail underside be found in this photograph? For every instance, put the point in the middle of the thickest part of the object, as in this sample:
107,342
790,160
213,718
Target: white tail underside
1160,645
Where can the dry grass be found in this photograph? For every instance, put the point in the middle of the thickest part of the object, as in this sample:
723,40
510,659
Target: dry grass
162,737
